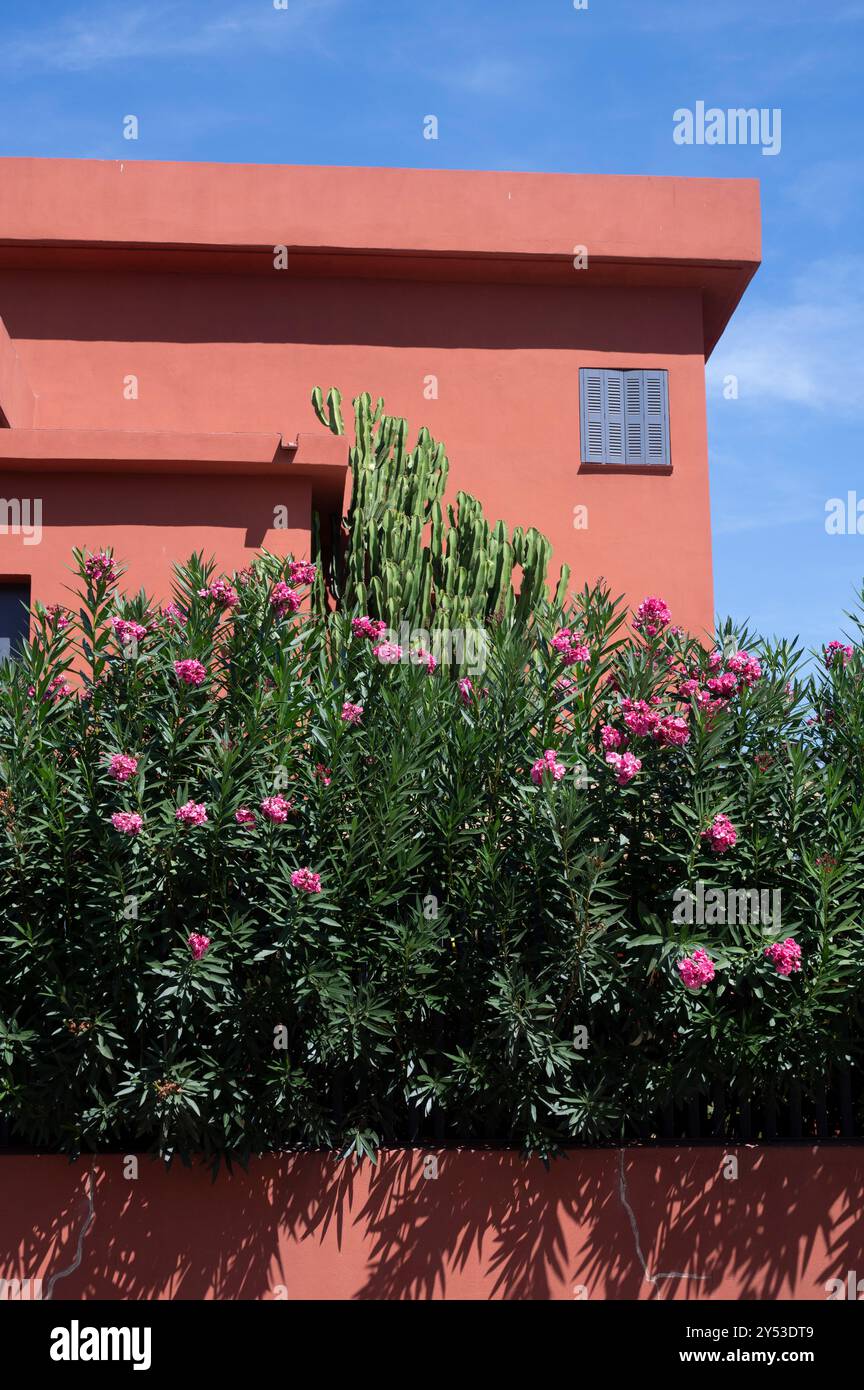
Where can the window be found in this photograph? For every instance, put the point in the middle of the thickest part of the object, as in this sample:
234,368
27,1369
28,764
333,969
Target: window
14,616
624,416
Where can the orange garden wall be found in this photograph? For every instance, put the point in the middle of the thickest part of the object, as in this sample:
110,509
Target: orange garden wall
600,1224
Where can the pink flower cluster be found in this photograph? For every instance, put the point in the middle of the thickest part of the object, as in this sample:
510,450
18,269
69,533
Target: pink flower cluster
639,716
127,632
547,767
283,599
301,572
197,944
371,628
625,766
612,737
276,809
221,592
127,822
100,567
423,658
323,774
652,616
571,647
785,956
835,649
388,653
174,616
244,816
121,767
306,881
58,616
696,970
352,714
721,834
190,671
192,813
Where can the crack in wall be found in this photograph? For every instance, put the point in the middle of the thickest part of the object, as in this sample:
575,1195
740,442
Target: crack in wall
634,1226
88,1222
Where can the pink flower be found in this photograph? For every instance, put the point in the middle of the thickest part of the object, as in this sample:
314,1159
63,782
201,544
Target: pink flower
696,970
197,944
547,767
688,688
352,714
672,730
300,572
723,685
639,717
121,767
276,809
423,658
174,616
652,616
127,632
283,599
127,822
244,816
721,834
100,567
190,671
222,593
368,627
571,647
58,686
785,956
466,690
625,766
612,737
58,616
388,653
193,813
835,649
306,881
747,667
323,774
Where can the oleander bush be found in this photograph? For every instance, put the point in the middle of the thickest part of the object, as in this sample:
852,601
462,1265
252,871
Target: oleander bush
267,884
395,848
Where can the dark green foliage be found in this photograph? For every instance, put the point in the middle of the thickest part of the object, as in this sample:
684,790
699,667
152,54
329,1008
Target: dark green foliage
470,923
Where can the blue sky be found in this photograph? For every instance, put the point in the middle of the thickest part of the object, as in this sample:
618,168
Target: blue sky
542,86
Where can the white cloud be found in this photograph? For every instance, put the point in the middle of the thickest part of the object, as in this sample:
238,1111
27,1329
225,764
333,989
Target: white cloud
806,352
167,30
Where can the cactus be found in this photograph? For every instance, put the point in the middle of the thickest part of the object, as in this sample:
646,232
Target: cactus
401,557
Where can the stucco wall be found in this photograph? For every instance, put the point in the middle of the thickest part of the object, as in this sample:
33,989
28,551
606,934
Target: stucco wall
600,1224
241,352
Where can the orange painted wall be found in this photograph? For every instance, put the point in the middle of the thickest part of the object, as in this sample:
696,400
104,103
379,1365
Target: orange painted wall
490,1226
151,521
241,352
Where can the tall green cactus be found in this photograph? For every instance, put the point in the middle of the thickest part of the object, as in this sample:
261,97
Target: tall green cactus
398,558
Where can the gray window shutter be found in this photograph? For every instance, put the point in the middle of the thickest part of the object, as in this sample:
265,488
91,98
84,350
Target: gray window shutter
634,396
656,417
591,398
614,396
624,416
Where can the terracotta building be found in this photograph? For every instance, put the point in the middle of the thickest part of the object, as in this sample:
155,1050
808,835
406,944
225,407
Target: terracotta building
162,325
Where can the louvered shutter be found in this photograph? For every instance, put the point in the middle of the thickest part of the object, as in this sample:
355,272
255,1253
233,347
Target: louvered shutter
614,432
591,398
634,400
655,417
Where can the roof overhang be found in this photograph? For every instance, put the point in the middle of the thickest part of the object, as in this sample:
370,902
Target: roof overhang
321,459
418,224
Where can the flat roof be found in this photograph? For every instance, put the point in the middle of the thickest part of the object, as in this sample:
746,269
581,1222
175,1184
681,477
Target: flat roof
398,223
